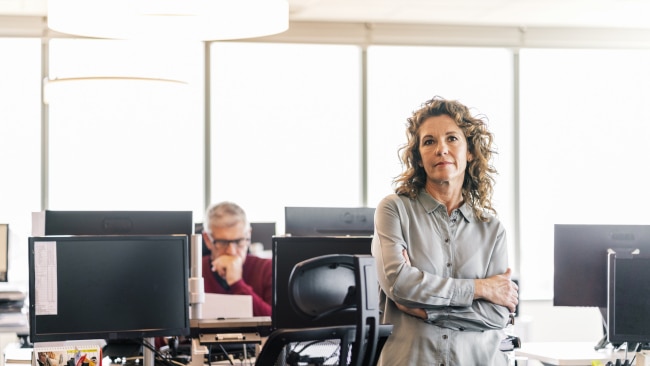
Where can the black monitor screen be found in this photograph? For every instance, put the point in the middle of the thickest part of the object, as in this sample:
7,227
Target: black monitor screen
628,307
118,222
329,221
263,232
289,251
108,287
580,259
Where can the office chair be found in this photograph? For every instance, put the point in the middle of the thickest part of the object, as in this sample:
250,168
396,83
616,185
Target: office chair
325,287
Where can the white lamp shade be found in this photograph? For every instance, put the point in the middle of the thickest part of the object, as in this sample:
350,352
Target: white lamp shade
169,19
75,89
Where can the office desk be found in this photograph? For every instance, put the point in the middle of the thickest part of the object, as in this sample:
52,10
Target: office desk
568,353
16,356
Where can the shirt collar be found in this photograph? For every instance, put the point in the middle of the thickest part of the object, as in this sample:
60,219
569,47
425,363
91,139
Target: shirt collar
430,204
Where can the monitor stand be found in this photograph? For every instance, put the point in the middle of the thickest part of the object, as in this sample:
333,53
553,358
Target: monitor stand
131,348
148,355
122,348
603,342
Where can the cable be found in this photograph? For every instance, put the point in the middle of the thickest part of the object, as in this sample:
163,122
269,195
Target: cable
226,354
626,362
294,354
159,358
636,349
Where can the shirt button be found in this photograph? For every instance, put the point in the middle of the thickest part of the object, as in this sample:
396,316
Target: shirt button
447,240
444,336
448,264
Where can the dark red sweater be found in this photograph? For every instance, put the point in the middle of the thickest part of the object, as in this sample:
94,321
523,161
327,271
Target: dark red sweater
257,277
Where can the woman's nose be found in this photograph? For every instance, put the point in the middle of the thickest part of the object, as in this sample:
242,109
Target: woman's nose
442,149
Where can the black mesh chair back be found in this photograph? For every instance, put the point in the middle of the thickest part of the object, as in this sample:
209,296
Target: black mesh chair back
323,288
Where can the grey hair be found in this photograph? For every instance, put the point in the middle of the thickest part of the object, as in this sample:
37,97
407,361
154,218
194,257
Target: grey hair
225,214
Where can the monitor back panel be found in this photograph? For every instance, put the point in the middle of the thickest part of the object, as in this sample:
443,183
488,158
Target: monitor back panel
287,252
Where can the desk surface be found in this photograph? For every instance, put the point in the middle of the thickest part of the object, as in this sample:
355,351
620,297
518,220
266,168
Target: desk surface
16,356
568,353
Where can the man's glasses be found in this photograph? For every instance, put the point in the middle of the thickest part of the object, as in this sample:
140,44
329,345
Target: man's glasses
241,243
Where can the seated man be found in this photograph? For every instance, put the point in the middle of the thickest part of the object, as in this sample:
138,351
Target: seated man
229,269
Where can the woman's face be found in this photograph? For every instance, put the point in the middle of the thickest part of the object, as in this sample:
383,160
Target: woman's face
443,148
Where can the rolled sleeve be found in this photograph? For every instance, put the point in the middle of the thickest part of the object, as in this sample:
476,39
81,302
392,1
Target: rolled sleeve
444,262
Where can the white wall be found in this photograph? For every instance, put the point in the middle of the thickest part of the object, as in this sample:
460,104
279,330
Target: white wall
540,321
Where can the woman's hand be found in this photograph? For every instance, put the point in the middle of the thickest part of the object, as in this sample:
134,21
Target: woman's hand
498,289
416,312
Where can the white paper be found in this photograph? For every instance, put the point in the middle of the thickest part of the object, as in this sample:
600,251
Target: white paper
227,306
38,223
45,281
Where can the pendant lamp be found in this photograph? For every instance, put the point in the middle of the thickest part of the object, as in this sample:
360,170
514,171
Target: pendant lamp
67,87
202,20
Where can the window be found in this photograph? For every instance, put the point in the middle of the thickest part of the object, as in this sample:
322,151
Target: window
125,144
286,130
20,148
400,79
584,128
285,127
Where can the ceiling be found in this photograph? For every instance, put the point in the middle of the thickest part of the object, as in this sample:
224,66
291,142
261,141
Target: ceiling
519,13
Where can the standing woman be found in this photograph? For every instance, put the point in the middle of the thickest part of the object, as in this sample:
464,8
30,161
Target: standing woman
441,254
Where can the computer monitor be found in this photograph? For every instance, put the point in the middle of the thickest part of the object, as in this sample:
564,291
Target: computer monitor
117,222
329,221
289,251
580,260
628,297
580,263
263,232
108,287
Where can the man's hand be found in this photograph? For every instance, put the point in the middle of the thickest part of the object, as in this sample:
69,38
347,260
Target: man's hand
229,267
498,289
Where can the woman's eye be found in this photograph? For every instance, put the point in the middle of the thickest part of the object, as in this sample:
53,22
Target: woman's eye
427,142
453,138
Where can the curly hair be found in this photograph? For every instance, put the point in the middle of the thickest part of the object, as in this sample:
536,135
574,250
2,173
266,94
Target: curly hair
478,182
